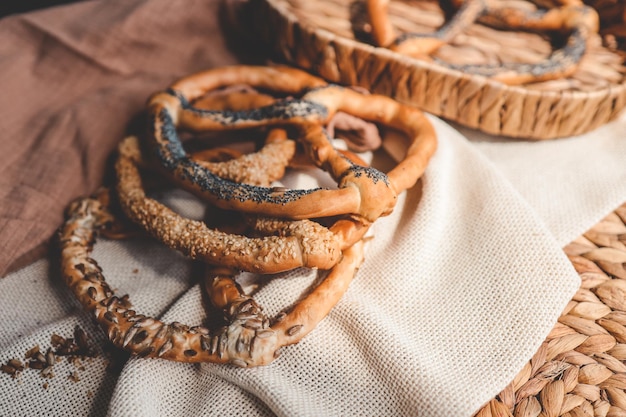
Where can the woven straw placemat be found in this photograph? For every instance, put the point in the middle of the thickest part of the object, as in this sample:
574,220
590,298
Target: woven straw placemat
329,37
580,368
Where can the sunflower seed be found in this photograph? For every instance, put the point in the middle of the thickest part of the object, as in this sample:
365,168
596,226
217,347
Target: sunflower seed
92,293
129,313
161,333
240,346
214,343
108,302
7,369
93,277
245,316
205,343
264,334
129,336
32,351
246,306
294,329
223,345
253,324
202,330
110,317
114,333
190,352
135,318
81,338
147,322
40,357
50,358
16,363
47,372
167,346
239,362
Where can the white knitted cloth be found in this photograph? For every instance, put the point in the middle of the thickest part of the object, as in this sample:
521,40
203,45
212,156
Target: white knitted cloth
459,287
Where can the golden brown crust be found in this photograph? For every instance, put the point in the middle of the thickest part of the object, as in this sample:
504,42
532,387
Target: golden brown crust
260,168
280,79
572,18
357,185
382,31
247,340
303,243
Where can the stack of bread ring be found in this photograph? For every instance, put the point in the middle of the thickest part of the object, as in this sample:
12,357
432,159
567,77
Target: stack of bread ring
277,229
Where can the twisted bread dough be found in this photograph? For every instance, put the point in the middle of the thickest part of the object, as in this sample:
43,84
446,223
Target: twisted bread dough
300,243
573,18
356,184
247,340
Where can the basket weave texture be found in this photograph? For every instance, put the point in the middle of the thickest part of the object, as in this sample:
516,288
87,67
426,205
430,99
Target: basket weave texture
580,368
329,37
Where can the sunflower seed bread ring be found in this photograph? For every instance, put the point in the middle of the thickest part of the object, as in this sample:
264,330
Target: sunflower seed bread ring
243,342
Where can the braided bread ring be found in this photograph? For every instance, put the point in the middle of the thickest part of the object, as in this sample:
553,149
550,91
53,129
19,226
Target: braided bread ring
419,44
347,229
573,17
243,342
167,109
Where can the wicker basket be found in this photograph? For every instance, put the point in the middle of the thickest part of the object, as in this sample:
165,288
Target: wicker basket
329,37
580,369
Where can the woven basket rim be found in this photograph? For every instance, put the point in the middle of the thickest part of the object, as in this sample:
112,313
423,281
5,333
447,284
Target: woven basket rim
434,67
456,73
616,93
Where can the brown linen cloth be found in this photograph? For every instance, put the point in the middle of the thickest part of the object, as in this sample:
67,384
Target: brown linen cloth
73,80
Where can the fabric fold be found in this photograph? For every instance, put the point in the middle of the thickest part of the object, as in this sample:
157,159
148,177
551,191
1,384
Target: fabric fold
460,286
572,183
86,70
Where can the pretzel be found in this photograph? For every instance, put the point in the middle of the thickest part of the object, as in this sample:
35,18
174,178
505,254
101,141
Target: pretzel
298,243
419,44
573,18
247,340
363,192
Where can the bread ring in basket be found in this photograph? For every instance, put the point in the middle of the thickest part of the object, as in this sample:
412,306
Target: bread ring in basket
290,244
247,340
572,18
362,191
